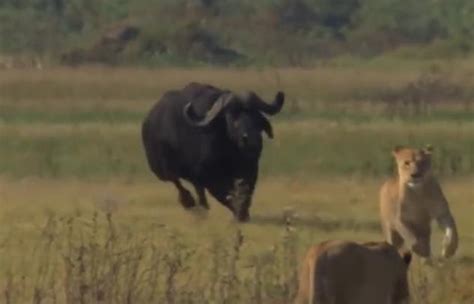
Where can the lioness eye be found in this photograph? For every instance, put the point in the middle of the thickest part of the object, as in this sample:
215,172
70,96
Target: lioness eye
407,162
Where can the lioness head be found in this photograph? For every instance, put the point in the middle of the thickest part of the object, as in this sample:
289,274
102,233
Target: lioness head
414,165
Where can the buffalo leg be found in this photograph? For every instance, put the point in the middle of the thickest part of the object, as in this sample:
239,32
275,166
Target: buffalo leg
227,202
201,196
244,215
239,208
243,199
185,197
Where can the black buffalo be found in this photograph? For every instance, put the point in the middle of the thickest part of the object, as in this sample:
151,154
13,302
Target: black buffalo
211,138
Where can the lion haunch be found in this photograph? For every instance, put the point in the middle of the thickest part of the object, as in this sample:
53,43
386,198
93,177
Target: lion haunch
409,202
346,272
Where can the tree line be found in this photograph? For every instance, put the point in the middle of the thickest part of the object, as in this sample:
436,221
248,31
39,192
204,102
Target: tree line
235,32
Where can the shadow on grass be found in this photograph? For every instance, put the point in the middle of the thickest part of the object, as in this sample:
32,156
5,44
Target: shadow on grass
315,221
465,260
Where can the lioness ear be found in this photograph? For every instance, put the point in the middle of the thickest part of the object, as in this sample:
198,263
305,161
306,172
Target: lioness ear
397,149
428,150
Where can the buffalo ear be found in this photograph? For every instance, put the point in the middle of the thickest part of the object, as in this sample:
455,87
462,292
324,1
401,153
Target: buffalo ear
265,125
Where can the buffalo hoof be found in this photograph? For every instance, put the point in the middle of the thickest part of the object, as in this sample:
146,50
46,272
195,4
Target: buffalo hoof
186,199
199,213
204,205
243,218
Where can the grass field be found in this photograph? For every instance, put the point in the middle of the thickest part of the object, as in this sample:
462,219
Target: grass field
84,221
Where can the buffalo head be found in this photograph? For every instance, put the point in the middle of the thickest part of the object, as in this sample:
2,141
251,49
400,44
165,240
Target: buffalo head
244,118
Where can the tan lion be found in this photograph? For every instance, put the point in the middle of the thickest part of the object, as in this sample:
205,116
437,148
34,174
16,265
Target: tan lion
409,202
344,272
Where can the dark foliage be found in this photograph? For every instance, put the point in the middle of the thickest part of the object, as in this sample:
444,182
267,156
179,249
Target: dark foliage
234,32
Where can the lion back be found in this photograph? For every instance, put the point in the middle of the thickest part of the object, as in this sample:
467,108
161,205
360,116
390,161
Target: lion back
310,284
348,271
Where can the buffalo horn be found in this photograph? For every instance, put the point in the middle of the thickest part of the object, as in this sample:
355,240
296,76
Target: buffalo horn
216,108
268,108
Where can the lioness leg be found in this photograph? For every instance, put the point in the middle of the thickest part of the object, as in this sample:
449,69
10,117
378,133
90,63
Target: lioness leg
394,238
422,247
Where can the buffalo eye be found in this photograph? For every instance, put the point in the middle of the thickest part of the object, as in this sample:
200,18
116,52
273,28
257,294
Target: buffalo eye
235,112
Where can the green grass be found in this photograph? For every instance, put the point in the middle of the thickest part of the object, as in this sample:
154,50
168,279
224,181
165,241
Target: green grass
303,148
85,221
356,112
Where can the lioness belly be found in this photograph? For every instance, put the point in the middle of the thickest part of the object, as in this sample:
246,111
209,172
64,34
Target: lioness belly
413,212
